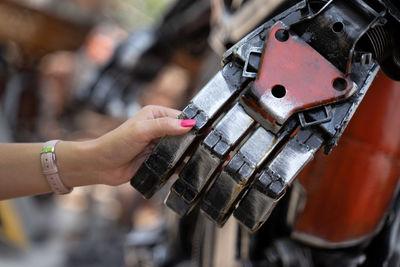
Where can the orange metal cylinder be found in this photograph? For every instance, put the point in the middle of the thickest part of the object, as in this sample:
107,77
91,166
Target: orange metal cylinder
349,191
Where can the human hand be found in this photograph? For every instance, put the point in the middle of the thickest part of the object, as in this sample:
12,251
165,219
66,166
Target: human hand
111,159
124,149
115,157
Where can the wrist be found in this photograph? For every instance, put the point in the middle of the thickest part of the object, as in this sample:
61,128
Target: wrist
50,169
77,163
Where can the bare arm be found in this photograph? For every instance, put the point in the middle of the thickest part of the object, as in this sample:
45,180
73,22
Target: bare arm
111,159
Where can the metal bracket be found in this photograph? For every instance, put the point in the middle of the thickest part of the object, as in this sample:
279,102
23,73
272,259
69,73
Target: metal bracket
304,123
246,72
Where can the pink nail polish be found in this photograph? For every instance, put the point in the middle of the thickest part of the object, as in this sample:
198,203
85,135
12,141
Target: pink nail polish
188,123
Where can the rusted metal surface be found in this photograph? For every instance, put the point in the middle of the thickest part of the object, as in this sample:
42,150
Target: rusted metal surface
350,191
293,76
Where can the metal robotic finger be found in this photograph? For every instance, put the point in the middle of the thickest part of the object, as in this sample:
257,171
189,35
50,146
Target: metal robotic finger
229,186
157,168
213,151
272,181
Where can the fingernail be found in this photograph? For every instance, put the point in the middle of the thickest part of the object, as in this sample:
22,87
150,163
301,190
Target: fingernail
188,123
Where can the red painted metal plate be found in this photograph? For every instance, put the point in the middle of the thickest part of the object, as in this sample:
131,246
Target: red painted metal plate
293,76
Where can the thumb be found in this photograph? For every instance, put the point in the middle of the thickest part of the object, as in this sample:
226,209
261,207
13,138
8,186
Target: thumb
156,128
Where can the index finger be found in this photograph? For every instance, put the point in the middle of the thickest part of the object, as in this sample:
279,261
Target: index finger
160,112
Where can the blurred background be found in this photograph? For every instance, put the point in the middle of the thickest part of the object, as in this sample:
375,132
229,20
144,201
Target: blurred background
75,69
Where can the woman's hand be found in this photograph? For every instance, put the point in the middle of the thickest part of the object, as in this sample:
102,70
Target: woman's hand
120,152
112,159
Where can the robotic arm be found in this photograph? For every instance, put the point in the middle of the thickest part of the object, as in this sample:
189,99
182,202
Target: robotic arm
286,90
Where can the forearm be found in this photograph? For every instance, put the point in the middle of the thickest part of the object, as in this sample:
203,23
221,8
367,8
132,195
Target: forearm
111,159
21,172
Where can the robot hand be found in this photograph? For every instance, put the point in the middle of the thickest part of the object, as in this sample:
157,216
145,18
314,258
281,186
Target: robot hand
286,90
